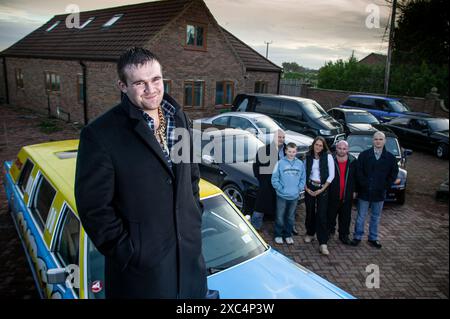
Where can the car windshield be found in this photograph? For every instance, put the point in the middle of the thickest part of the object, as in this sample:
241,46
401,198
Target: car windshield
399,106
438,125
227,239
314,110
266,124
361,117
359,143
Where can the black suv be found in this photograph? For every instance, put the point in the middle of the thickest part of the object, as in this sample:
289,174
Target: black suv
301,115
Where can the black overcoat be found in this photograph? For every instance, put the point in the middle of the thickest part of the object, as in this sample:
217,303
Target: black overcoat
266,197
142,215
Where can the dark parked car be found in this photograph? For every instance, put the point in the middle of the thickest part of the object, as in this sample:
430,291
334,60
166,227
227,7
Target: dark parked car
356,120
383,108
363,140
425,133
301,115
226,159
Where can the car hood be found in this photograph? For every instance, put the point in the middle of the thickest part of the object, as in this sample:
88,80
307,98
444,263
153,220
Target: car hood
329,123
272,275
360,127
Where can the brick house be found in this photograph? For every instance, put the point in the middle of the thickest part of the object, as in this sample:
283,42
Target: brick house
60,70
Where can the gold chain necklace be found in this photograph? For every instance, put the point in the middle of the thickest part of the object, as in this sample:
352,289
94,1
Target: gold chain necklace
161,131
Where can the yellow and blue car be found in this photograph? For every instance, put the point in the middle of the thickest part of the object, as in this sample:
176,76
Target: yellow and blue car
66,265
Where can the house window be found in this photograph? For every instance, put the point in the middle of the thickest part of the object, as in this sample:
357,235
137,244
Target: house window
167,86
53,26
195,36
52,82
261,86
194,92
224,93
87,22
80,90
19,78
112,20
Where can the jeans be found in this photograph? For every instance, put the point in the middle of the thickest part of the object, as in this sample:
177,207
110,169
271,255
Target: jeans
257,220
363,209
285,217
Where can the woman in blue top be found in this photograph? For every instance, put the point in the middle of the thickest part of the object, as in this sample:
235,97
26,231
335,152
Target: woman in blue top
319,175
288,180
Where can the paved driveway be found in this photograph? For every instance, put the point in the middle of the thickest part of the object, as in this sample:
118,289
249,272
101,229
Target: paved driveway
413,262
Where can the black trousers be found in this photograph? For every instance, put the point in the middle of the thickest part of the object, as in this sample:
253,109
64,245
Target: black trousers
343,211
317,215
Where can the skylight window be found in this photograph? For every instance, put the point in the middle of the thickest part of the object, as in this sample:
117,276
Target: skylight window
113,20
87,22
53,26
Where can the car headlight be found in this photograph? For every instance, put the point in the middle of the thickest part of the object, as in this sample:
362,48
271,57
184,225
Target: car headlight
325,132
402,174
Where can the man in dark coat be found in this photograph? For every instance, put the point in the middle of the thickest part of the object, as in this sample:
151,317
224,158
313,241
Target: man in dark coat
139,207
341,192
265,161
377,170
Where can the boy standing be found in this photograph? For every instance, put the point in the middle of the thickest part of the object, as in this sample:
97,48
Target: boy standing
288,180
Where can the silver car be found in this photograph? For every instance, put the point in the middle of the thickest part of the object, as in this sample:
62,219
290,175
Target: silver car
260,125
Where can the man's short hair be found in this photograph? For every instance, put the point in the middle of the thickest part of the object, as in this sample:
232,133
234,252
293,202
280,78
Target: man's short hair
291,145
342,142
134,56
379,133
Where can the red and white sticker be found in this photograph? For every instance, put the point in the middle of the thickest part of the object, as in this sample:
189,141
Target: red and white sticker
96,286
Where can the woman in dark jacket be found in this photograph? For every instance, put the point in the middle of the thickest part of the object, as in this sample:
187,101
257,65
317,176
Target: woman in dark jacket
319,174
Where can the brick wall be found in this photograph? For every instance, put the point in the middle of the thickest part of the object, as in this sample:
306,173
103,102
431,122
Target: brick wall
2,83
332,98
253,76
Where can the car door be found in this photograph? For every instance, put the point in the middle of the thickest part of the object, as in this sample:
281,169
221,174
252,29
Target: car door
418,133
66,251
292,117
210,165
40,208
268,106
369,105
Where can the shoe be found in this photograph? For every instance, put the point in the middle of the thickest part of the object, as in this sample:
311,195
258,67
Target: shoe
309,239
289,240
323,249
294,231
278,240
375,243
355,242
345,240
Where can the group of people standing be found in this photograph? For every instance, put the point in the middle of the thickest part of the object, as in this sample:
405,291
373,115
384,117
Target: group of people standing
330,183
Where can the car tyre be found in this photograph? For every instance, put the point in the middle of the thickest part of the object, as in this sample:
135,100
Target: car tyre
235,194
442,150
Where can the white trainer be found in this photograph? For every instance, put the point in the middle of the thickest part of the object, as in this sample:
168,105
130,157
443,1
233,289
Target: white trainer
289,240
309,239
278,240
323,249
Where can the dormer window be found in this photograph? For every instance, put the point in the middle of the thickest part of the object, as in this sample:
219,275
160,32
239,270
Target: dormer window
112,20
195,37
87,22
53,26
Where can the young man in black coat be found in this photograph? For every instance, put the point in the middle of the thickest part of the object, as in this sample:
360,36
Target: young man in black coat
341,192
377,170
139,207
265,161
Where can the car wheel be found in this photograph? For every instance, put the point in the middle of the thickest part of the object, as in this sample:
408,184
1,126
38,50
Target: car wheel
235,194
442,150
401,197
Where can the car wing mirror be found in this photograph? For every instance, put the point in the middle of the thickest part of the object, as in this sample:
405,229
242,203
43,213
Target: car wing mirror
208,159
56,276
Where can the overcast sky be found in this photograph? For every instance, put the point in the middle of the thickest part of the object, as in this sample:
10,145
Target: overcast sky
309,32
